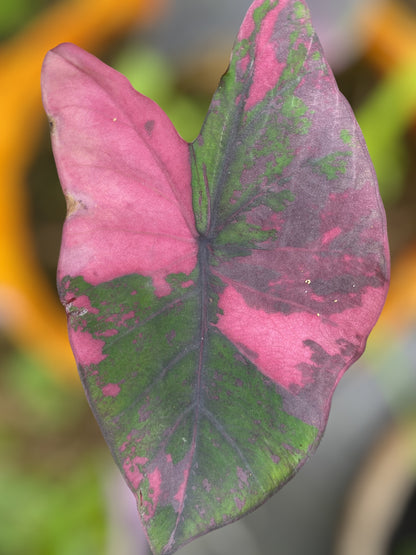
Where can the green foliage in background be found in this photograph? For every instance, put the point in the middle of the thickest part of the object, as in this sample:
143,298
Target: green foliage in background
151,74
15,13
384,119
51,503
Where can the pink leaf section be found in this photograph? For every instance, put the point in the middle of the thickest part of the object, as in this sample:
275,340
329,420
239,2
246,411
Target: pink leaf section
118,154
263,336
265,52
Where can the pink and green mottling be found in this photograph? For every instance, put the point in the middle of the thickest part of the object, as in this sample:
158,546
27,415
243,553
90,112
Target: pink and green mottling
217,291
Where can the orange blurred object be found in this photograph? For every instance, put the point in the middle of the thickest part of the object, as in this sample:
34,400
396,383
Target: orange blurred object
399,313
390,29
398,317
30,314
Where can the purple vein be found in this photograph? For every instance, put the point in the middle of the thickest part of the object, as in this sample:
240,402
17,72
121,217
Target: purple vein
140,324
202,340
231,441
113,229
271,297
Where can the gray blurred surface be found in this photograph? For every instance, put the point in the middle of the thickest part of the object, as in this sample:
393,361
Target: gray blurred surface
189,27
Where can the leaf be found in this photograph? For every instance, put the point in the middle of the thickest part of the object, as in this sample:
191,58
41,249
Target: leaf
216,292
29,312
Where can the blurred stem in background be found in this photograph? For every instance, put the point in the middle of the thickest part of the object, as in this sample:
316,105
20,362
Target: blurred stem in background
29,312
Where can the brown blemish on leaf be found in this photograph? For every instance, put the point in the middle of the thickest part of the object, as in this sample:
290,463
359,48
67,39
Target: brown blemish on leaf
72,205
51,125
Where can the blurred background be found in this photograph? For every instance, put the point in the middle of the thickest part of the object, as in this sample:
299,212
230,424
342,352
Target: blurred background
60,493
